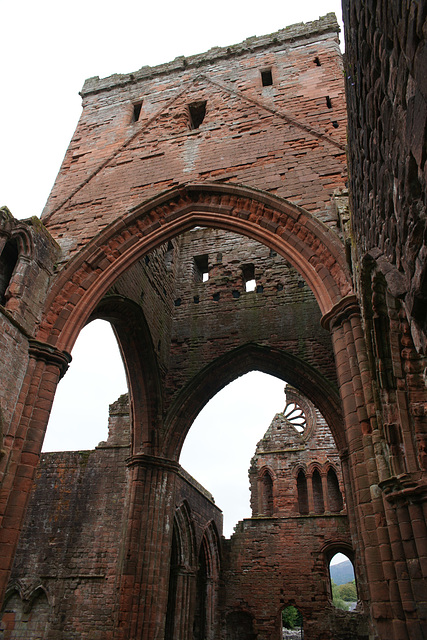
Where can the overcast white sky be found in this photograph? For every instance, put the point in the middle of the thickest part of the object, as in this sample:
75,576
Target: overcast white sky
48,49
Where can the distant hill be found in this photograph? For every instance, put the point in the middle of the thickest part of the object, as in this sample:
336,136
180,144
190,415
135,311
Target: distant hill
342,572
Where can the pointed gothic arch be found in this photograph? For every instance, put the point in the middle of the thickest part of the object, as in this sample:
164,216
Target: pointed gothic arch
308,244
214,377
266,492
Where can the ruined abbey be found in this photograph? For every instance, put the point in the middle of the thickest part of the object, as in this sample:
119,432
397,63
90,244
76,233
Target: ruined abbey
272,161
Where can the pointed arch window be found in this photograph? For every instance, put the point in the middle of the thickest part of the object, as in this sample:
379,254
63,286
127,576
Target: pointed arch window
267,500
336,503
302,493
316,480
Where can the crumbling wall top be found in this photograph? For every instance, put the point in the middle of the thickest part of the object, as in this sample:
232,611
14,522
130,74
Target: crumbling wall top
301,30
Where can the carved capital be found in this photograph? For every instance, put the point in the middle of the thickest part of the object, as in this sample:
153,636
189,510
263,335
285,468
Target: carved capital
49,354
341,311
145,460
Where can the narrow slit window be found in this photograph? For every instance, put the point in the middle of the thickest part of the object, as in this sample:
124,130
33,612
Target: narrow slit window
267,506
302,493
266,78
248,273
201,268
328,102
316,480
317,62
197,112
136,111
336,503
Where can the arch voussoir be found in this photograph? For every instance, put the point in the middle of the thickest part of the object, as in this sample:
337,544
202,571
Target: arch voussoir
291,231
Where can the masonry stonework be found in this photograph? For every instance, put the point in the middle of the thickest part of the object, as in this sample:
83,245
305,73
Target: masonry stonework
181,184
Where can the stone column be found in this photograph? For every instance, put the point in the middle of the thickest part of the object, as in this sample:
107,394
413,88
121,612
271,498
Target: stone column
144,580
24,440
366,463
310,497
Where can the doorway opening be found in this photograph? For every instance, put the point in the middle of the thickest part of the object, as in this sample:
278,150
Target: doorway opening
292,623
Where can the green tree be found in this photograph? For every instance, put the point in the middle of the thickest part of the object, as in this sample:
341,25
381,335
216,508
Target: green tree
336,597
348,591
291,618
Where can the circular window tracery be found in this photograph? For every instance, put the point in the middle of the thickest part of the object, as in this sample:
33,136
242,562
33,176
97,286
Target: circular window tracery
296,416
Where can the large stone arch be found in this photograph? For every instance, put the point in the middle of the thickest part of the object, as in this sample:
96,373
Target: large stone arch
224,370
135,344
308,244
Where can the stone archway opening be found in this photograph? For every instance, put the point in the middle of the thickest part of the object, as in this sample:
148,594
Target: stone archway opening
219,446
292,623
79,417
342,577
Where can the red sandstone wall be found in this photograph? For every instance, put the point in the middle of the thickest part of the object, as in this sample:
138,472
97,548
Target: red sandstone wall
270,563
280,557
213,317
275,138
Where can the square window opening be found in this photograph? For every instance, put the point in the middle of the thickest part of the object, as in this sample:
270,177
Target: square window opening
266,78
197,113
201,268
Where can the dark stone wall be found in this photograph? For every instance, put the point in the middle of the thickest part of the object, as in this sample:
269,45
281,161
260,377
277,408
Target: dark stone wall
212,318
385,66
67,569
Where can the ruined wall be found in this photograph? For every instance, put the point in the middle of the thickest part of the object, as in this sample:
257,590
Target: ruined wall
281,555
215,316
71,544
386,59
65,578
136,136
27,258
386,55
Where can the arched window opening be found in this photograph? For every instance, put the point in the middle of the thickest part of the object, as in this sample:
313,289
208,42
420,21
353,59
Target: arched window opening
318,503
343,582
267,504
96,378
25,618
292,623
336,503
8,261
222,440
239,625
173,585
207,585
201,613
302,493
